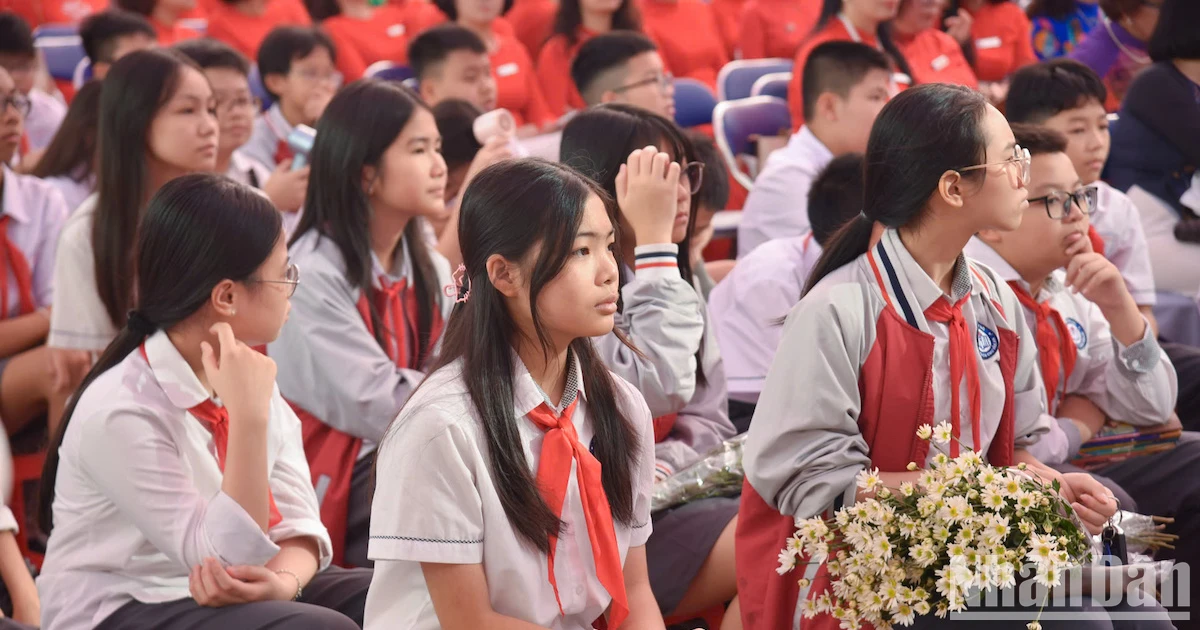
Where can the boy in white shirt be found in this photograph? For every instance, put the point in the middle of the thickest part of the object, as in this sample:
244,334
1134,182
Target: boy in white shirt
19,57
845,86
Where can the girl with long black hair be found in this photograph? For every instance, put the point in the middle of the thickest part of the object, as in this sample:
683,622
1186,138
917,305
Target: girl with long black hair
175,490
69,161
371,310
479,520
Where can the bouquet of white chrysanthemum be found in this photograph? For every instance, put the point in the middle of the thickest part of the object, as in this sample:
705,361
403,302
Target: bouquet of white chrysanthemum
923,547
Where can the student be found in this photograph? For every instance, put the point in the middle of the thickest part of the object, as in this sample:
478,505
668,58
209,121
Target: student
712,197
517,88
532,22
228,73
461,534
688,38
370,313
577,22
1001,42
1060,25
941,165
933,55
1118,52
1097,353
164,16
109,35
298,69
862,21
845,86
363,33
19,57
69,163
747,306
1069,97
455,122
775,28
1156,146
156,124
147,529
245,24
662,313
728,14
451,62
32,214
624,67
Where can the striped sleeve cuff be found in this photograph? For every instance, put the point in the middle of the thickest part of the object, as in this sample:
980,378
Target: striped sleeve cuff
656,261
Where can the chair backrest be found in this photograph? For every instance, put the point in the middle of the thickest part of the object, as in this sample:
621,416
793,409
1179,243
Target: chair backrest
83,73
54,30
258,89
694,103
735,123
389,71
774,84
62,54
736,79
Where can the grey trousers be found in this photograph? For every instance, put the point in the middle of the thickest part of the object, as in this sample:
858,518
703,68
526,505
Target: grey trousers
333,600
358,513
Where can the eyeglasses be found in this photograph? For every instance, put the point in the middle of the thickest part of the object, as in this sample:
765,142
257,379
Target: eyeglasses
1020,159
315,76
290,277
1058,203
239,102
17,101
664,81
692,174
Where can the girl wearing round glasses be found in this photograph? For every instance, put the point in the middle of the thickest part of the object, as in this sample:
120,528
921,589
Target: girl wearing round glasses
679,369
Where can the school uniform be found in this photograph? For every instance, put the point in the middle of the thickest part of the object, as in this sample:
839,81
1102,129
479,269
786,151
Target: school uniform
170,34
437,502
688,38
1003,40
268,139
777,206
360,43
138,499
244,169
748,305
345,387
46,113
517,88
1055,37
554,72
79,320
74,190
936,57
532,23
775,28
1117,222
827,411
246,32
728,14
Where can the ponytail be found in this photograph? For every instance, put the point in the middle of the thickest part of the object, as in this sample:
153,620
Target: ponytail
848,243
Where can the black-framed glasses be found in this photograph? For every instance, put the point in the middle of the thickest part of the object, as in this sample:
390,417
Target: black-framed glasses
291,277
17,101
1020,160
1058,203
692,174
663,80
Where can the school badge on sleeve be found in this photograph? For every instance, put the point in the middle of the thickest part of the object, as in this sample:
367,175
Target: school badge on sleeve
986,342
1078,334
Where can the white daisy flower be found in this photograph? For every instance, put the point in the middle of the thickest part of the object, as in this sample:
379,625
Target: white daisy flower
924,432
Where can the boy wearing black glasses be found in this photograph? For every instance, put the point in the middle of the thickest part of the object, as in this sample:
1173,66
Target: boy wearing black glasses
44,113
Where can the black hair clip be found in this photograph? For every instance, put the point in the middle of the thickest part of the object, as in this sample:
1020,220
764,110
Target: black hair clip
137,323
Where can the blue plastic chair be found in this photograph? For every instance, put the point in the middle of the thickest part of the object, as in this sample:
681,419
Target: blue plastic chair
62,54
694,103
736,79
736,123
55,30
389,71
258,89
774,84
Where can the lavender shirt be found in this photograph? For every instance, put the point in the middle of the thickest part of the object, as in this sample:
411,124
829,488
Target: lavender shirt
1101,53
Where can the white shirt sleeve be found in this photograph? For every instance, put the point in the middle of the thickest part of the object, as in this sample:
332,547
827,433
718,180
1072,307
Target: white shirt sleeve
1135,384
291,485
52,215
643,473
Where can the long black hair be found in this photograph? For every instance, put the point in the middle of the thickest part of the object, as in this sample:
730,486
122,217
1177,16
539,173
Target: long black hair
831,8
570,17
598,140
509,209
358,126
920,134
199,230
72,151
136,88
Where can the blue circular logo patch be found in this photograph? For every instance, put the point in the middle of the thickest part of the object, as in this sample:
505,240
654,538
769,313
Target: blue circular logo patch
1078,334
986,342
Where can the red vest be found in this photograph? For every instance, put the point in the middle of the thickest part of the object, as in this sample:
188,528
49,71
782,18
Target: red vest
891,411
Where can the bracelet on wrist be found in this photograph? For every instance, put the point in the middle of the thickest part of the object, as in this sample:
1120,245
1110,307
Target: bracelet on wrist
299,588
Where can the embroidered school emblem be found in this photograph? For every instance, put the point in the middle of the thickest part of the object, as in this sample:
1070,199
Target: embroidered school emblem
1078,334
986,342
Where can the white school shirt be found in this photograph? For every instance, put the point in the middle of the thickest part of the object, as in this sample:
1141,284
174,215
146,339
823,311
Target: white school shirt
79,320
1176,264
1117,222
46,113
244,169
138,499
269,129
37,213
777,206
748,306
74,191
1134,384
804,447
329,364
436,501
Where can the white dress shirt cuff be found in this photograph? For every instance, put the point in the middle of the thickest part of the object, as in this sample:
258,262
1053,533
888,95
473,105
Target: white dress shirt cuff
235,536
445,550
1140,357
8,522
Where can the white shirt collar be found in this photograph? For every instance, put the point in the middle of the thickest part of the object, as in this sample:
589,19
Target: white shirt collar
806,143
527,395
173,373
923,288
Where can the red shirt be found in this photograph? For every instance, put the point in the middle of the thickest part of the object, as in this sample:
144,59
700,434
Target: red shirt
246,32
517,88
173,34
688,38
532,22
936,57
776,28
554,72
729,20
38,12
420,15
1003,40
360,43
